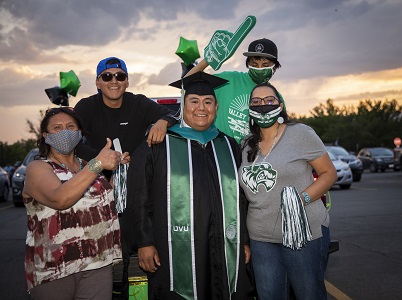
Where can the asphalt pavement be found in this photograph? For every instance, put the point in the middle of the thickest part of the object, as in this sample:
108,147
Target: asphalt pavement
366,220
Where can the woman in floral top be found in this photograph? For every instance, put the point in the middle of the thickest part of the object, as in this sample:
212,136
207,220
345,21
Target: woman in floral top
73,235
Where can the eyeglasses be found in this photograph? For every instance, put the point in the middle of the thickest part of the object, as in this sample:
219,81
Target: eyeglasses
109,76
56,110
268,100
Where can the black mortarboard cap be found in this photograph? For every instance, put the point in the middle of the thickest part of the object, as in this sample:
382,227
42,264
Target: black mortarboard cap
199,83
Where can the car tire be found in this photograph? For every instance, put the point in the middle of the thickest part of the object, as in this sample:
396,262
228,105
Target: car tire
357,177
373,168
345,186
6,194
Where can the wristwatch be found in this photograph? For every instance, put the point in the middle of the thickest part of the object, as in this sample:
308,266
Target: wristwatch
306,198
95,166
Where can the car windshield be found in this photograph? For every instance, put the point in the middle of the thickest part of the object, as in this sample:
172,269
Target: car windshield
30,157
332,157
338,151
382,152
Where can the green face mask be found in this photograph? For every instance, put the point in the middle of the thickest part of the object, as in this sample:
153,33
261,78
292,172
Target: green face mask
260,75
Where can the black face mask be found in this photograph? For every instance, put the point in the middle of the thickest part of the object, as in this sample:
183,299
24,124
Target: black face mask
263,109
265,115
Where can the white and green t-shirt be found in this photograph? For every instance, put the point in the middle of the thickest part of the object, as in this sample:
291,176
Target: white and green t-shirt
233,98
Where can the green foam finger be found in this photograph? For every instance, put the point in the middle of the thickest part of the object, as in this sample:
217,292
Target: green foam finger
223,43
241,33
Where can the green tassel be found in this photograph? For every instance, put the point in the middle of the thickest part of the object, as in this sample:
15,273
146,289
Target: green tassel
296,230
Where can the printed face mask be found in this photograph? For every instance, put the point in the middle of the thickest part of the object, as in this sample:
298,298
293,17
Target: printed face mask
265,115
260,75
64,141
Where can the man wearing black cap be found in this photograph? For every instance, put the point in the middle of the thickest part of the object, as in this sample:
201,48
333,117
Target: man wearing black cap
188,207
114,113
232,116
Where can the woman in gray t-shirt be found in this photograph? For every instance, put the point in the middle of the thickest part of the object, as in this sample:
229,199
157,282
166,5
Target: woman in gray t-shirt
278,158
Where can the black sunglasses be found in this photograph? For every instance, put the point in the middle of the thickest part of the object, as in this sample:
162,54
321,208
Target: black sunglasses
56,110
109,76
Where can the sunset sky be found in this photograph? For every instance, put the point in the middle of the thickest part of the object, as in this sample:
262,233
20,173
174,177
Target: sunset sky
343,50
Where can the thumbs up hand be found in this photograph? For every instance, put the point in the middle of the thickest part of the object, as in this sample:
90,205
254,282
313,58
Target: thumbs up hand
109,158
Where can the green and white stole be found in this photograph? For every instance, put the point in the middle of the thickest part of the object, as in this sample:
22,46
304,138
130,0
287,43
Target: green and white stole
180,194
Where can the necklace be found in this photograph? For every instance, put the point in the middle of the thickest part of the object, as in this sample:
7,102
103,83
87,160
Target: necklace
269,152
64,165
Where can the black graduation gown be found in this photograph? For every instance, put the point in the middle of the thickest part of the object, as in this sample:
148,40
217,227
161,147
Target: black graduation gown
147,200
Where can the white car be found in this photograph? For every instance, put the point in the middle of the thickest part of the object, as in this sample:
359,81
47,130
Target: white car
19,177
345,177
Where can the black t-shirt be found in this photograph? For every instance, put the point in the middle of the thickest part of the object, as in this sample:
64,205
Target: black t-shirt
129,122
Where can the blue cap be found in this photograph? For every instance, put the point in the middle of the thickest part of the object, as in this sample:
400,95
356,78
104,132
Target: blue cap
110,62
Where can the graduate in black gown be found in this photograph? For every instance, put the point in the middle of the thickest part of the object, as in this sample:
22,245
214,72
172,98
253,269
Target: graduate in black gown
188,209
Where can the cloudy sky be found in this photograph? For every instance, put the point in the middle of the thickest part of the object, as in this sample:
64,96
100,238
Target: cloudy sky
343,50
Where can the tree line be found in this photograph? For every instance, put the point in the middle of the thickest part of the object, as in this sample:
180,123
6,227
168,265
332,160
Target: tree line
372,123
369,124
14,154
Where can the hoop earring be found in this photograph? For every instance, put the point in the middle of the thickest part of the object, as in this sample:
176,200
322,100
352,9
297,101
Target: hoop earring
281,120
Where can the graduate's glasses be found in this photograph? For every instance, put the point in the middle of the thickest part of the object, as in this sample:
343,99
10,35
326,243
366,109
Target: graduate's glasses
109,76
268,100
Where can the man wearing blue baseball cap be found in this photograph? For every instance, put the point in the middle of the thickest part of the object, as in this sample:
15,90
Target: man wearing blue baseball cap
115,113
110,62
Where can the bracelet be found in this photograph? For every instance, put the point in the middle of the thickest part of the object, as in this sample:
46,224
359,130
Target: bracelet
306,198
95,166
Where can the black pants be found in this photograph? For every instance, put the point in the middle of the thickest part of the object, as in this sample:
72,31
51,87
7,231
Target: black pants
129,249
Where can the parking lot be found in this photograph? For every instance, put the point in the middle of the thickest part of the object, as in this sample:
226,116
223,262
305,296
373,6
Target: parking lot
365,219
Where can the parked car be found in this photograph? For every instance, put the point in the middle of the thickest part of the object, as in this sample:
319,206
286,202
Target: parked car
355,164
173,103
4,185
19,177
377,158
345,177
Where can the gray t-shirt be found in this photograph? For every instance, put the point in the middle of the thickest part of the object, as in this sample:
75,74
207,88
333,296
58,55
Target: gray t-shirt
286,165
